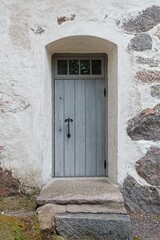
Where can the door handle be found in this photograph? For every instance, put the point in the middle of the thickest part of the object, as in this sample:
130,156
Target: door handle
68,120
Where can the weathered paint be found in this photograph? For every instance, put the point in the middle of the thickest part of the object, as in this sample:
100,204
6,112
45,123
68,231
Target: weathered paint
30,34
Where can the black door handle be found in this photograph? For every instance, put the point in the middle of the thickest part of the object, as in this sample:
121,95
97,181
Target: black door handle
68,120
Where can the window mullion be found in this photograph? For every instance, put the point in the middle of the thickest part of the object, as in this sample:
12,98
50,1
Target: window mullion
80,67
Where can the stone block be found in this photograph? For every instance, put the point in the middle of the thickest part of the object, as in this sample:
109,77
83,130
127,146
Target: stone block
9,186
63,19
148,167
158,32
93,226
12,103
146,125
148,76
115,207
155,91
46,215
139,198
80,191
144,21
140,43
152,62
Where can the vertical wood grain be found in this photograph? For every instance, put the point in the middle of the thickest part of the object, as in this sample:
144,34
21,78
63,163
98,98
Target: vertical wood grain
79,127
69,112
90,128
82,154
59,129
100,131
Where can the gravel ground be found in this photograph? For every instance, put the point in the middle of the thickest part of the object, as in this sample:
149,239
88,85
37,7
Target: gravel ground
145,226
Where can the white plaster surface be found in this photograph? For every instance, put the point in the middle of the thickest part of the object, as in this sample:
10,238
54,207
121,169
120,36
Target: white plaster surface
29,35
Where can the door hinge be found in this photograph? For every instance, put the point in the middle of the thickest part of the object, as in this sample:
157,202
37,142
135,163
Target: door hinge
104,92
104,164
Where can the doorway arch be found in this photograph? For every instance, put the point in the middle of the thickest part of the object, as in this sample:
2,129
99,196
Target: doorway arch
85,44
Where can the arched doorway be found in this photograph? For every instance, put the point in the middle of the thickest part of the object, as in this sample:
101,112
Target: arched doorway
89,45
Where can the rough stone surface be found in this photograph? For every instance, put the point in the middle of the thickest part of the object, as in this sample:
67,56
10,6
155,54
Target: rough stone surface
38,30
2,150
12,103
46,215
140,43
149,61
148,76
9,126
158,32
155,91
145,21
148,167
96,208
63,19
93,226
145,126
139,198
80,191
145,226
9,186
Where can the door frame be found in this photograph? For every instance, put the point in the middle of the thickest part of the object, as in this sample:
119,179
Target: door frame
104,76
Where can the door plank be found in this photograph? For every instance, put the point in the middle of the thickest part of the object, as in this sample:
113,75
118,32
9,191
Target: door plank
59,129
100,126
90,128
69,142
79,128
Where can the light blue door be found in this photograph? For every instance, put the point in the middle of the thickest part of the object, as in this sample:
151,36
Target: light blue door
79,128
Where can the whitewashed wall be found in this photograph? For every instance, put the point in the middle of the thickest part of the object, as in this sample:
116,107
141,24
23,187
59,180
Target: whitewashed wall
28,30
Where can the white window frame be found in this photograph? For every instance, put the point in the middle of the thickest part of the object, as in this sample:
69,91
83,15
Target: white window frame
79,76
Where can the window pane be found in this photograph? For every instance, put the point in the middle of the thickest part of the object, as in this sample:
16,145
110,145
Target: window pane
62,67
85,67
73,67
96,67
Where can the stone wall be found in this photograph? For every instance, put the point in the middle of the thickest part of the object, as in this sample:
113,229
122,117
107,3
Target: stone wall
27,31
145,126
9,186
140,198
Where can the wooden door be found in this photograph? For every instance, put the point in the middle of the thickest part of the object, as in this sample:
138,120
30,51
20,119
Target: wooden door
79,128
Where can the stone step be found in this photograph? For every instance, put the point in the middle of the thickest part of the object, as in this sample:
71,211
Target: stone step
82,191
47,212
84,222
83,209
111,203
93,226
93,208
